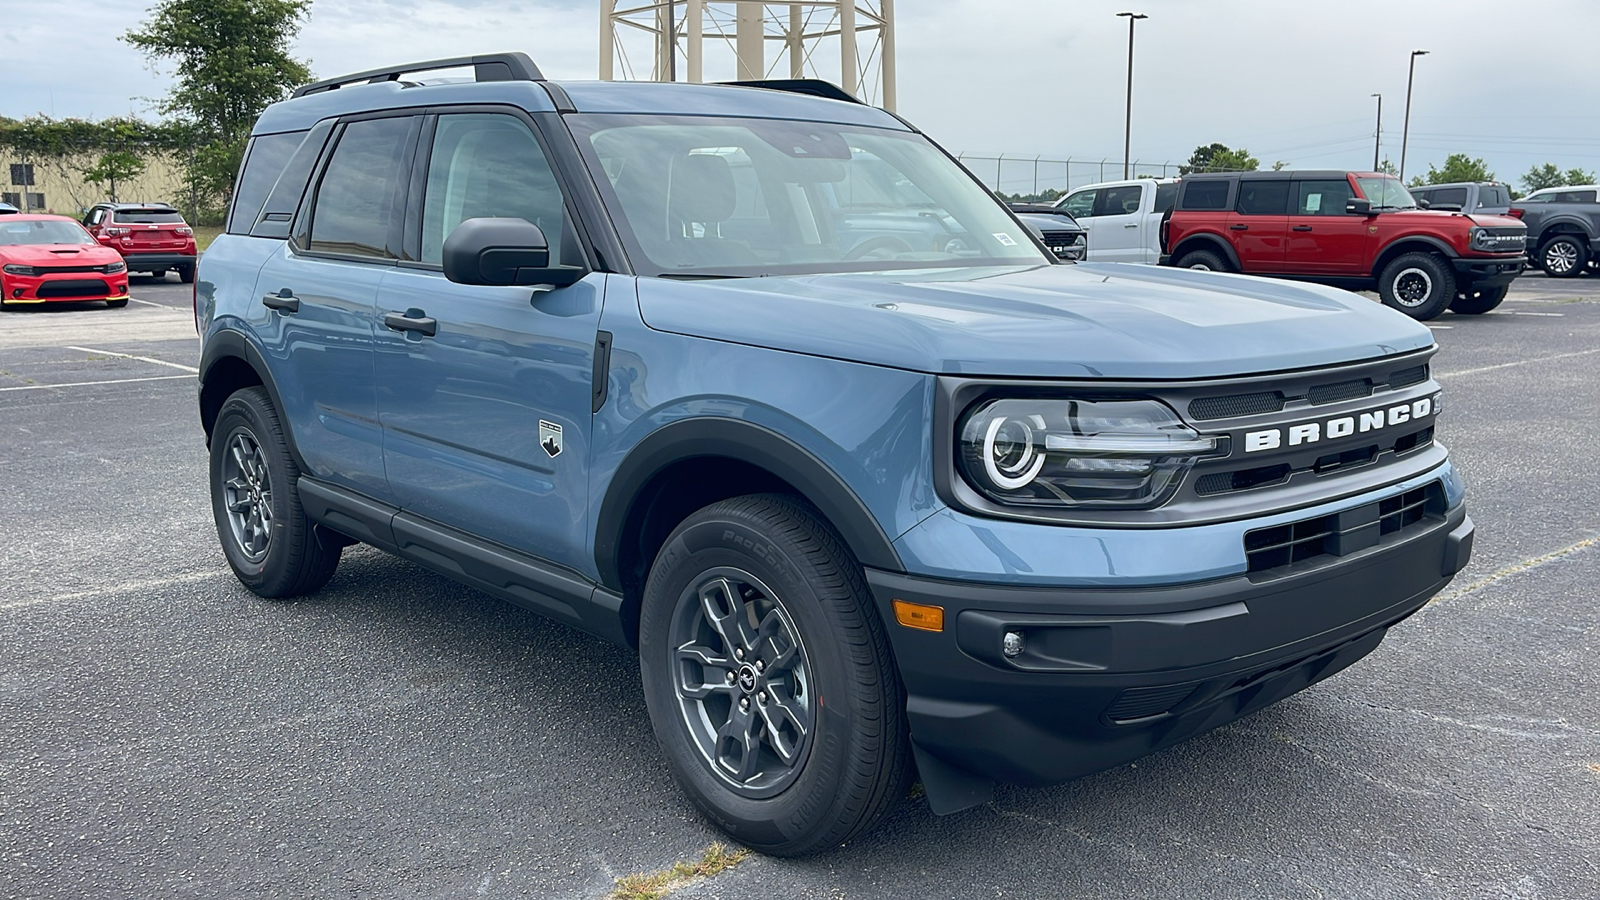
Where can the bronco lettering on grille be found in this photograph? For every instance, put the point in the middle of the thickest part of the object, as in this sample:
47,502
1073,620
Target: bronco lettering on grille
1340,426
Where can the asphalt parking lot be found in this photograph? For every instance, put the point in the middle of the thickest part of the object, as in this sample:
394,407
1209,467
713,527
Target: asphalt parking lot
166,734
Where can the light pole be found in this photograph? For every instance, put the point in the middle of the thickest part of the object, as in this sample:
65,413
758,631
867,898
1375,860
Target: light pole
1377,135
1127,129
1405,131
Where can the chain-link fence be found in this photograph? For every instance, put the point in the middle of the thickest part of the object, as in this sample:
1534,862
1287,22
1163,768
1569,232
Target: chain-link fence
1036,176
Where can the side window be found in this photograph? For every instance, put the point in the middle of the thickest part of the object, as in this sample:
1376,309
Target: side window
278,211
1166,194
488,165
1119,201
1574,197
1450,196
357,199
1263,198
1493,195
263,163
1206,195
1081,204
1321,198
95,216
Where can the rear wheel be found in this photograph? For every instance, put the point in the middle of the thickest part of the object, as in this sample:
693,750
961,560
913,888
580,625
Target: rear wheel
1564,256
1476,303
272,547
1204,260
769,679
1420,285
186,274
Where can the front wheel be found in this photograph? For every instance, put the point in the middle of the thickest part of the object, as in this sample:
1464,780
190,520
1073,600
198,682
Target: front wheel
271,545
1421,285
1476,303
769,679
1564,256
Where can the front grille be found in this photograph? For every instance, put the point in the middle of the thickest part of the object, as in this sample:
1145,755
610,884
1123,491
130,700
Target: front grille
1408,377
1235,405
1343,390
1141,703
72,287
1242,480
67,270
1061,238
1342,533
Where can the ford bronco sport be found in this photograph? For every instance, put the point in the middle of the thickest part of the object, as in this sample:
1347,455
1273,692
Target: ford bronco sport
669,363
1355,229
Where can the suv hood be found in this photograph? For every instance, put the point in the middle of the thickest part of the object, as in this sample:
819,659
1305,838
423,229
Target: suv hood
1092,320
1433,217
59,254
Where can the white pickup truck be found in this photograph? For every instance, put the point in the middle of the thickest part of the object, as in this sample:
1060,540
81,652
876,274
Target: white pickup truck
1122,218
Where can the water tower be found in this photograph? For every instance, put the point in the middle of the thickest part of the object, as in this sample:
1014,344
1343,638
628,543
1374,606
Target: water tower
849,42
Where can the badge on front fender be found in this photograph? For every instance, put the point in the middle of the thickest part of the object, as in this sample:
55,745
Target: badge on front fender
550,438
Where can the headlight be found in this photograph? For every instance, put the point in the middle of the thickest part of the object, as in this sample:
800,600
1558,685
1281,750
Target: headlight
1482,239
1129,454
114,268
21,270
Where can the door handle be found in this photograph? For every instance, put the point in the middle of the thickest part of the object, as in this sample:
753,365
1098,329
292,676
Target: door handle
1131,225
283,301
1302,228
1239,227
412,319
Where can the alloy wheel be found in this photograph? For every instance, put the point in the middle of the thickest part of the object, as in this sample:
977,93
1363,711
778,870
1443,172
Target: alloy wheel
1412,287
247,491
1560,257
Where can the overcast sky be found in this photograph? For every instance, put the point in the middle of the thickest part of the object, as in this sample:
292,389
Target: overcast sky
1288,80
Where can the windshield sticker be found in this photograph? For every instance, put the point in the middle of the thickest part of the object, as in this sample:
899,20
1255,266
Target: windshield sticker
1004,238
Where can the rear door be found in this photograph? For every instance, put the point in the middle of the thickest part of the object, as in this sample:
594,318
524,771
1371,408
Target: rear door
1119,224
486,419
1322,239
1259,224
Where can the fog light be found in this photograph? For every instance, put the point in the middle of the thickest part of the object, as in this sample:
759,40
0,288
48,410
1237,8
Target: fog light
1012,644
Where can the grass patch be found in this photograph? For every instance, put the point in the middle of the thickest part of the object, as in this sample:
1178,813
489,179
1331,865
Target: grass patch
204,235
717,858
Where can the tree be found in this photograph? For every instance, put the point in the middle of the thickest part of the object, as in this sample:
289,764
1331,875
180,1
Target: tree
1389,168
1457,167
1219,158
118,165
232,60
1548,175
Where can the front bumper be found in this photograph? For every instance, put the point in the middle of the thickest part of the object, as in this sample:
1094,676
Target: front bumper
1479,272
149,262
1109,675
66,287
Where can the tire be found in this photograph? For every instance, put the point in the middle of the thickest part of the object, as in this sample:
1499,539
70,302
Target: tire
117,304
1564,256
1204,260
1476,303
186,274
1420,285
272,547
835,708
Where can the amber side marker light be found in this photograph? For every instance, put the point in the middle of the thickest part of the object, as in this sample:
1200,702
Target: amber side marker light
919,615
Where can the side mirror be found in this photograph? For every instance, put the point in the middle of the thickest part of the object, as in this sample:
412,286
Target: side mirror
1356,206
1424,204
503,252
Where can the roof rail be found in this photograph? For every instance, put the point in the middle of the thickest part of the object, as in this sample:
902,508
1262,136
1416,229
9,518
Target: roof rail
487,67
816,87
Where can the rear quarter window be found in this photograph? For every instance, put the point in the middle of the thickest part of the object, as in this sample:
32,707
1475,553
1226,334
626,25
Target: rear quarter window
1208,195
264,161
1493,195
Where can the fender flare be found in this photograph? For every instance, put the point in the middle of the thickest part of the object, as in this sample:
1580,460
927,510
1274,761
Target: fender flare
757,445
1211,242
227,343
1569,224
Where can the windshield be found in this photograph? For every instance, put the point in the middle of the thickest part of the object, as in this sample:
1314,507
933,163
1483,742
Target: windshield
45,231
746,197
1386,193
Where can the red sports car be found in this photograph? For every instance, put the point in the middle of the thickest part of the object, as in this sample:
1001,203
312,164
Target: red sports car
46,258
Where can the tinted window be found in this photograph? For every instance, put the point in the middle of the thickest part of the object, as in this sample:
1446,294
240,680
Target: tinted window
1081,204
1264,198
1447,196
1166,194
262,165
487,165
276,214
1119,201
1207,194
1574,197
148,216
356,199
1322,198
1493,195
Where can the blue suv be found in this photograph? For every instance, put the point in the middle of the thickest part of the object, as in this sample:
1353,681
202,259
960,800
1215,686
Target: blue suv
759,381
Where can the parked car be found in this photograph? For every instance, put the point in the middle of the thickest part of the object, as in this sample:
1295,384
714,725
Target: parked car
47,258
7,209
962,509
1122,219
1563,229
1569,193
1060,232
1357,229
152,237
1490,198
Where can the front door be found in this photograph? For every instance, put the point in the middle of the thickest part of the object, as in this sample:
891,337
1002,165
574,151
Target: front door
1119,224
1259,224
1324,239
486,419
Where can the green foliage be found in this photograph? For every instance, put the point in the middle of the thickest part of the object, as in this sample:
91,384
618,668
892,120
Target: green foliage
118,165
1048,195
1548,175
44,138
1389,168
1219,158
1457,167
231,61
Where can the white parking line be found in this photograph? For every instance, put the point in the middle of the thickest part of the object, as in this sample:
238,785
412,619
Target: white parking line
1512,312
1520,362
148,359
110,589
43,387
147,302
